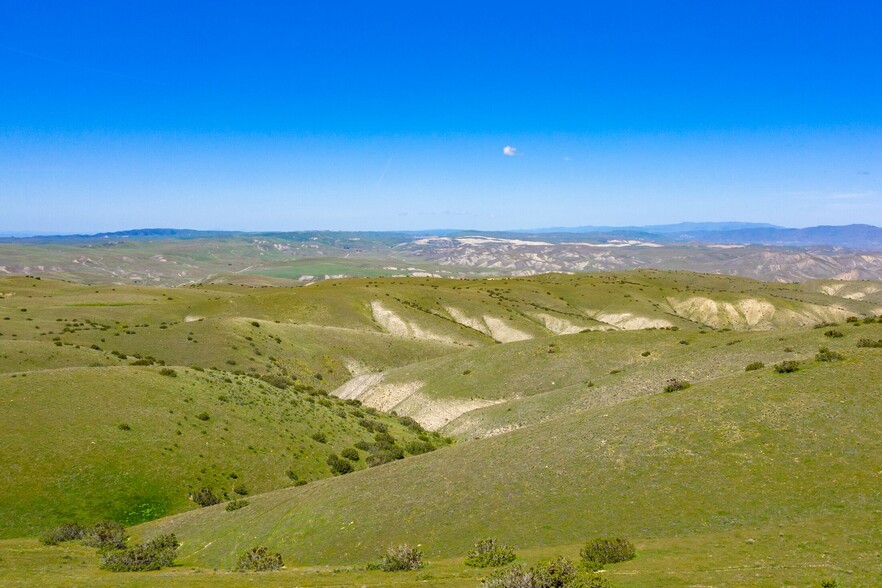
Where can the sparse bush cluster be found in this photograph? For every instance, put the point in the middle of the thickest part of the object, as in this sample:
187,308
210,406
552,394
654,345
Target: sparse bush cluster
676,384
62,533
259,559
206,496
152,555
557,573
754,365
338,465
235,505
824,354
870,343
106,535
488,553
401,558
787,367
606,550
833,334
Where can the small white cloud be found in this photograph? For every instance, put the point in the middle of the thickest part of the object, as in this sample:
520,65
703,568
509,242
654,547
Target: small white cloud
510,151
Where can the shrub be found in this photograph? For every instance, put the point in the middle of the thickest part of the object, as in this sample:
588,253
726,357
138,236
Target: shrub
754,365
419,447
105,535
255,324
557,573
319,437
203,416
153,555
605,550
235,505
787,367
870,343
339,466
645,354
124,427
829,583
351,454
675,384
402,558
259,559
240,489
363,445
206,497
824,354
488,553
168,372
833,333
62,533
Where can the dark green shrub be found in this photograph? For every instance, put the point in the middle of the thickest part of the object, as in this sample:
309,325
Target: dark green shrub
339,466
259,559
255,324
205,496
124,427
168,372
829,583
489,553
203,416
292,474
870,343
676,384
605,550
153,555
411,424
833,334
142,362
351,454
319,437
105,535
754,365
402,558
235,505
645,354
363,445
558,572
62,533
419,447
787,367
824,354
240,489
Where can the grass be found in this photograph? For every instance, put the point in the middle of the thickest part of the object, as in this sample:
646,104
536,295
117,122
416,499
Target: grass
745,478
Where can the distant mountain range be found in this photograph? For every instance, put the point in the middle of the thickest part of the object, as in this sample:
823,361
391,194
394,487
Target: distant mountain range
857,236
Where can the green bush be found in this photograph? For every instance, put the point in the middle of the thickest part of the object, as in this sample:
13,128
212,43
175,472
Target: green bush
557,573
259,559
606,550
754,365
787,367
235,505
105,535
62,533
351,454
833,334
870,343
402,558
824,354
676,384
203,416
168,372
205,496
489,553
339,466
319,437
419,447
153,555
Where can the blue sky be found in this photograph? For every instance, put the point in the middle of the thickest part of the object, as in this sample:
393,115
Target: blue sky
394,115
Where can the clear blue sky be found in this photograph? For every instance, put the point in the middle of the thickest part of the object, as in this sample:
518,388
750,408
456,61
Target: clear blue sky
394,115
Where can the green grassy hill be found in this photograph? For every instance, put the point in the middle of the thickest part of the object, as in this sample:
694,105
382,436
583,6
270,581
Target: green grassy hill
552,384
743,454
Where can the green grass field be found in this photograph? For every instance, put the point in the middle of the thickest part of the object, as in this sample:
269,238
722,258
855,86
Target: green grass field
552,386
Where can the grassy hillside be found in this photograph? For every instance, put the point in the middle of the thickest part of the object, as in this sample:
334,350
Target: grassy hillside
735,455
553,385
131,444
